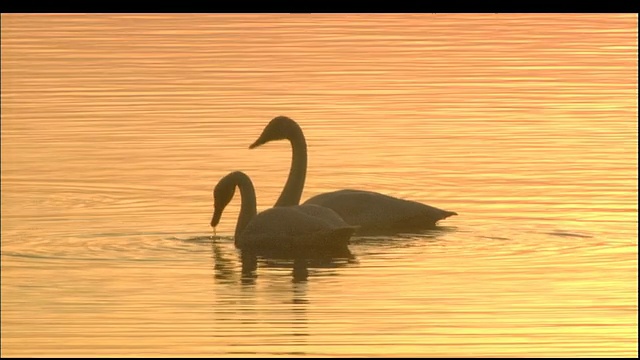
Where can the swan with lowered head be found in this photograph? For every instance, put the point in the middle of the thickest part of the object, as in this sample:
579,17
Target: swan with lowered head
372,212
300,227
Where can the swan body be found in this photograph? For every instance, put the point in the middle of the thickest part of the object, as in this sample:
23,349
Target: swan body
372,212
378,213
287,228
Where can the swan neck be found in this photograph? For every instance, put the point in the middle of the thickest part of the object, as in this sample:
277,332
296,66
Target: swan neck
292,191
247,206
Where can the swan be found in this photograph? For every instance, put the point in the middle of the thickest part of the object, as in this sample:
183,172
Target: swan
286,228
372,212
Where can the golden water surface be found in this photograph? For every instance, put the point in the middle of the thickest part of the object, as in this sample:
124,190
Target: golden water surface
116,127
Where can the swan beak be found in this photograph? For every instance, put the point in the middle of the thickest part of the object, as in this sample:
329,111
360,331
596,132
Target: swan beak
261,141
255,144
215,220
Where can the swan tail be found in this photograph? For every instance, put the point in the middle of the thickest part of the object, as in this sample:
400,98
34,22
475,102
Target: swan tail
425,220
443,214
446,214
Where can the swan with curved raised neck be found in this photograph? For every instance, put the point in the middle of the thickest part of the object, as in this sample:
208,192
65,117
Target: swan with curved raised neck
279,228
372,212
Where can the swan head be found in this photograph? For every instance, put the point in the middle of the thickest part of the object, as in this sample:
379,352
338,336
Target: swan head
222,195
279,128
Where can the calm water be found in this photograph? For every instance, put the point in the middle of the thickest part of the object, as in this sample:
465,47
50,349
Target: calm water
115,128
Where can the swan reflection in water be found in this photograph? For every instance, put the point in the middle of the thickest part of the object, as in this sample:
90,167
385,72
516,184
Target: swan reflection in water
225,266
239,301
297,262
